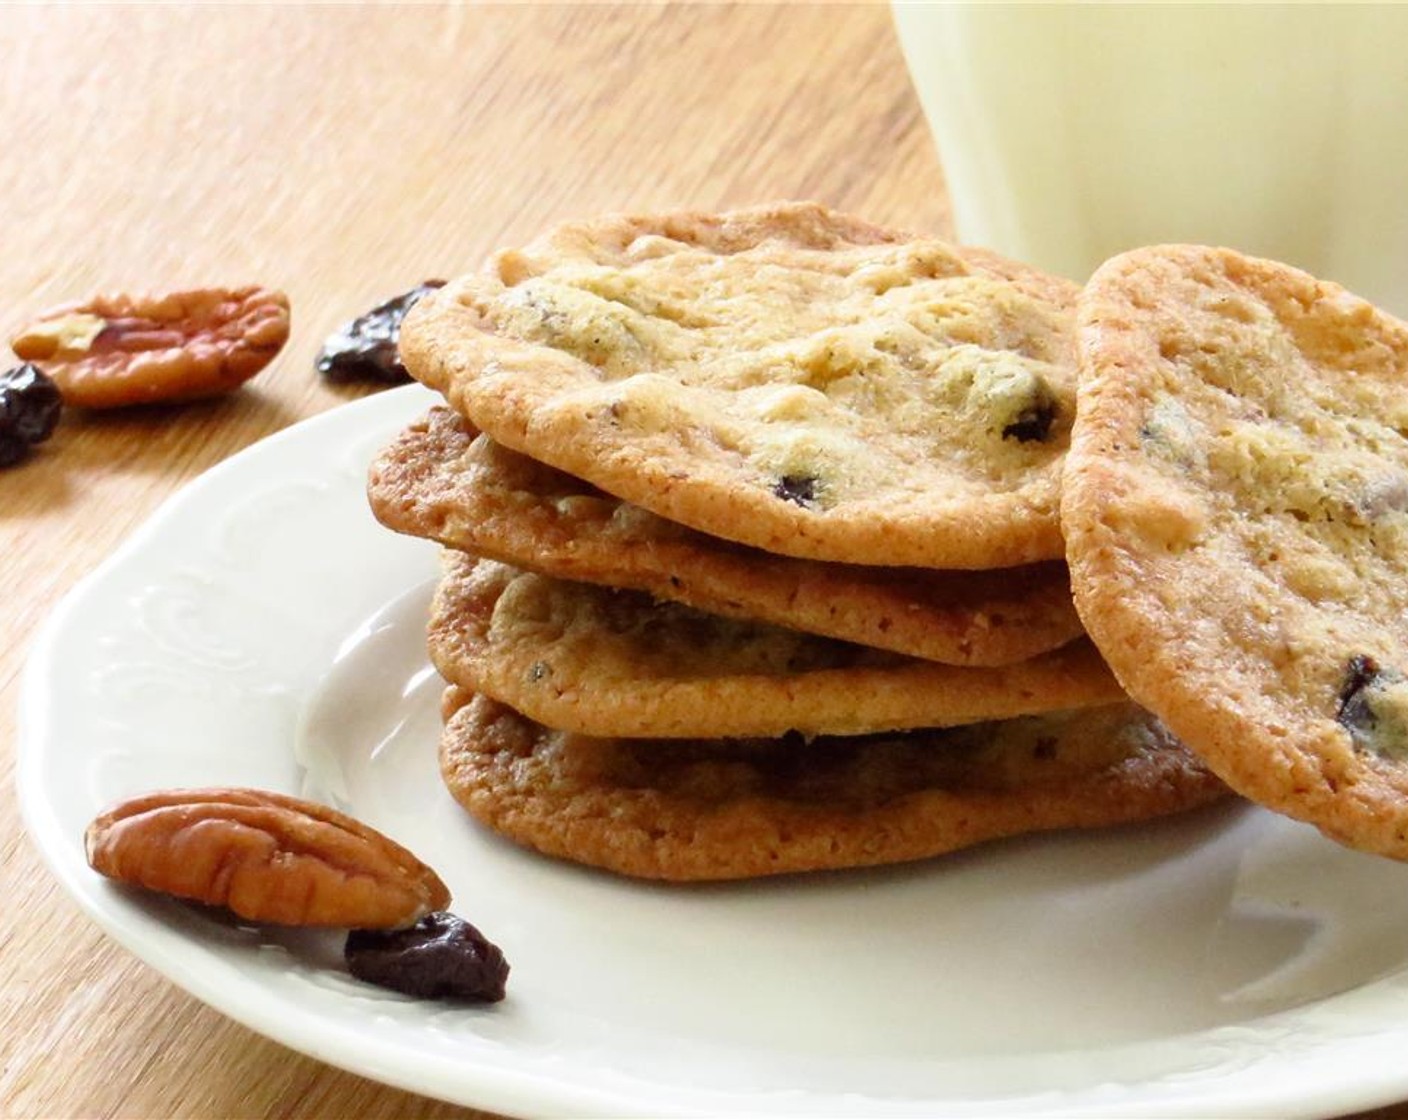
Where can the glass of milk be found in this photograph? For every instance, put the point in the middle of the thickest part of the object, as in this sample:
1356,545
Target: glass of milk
1068,133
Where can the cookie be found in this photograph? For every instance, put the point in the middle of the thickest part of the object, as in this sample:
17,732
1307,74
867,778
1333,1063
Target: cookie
597,661
697,810
787,377
438,480
1236,506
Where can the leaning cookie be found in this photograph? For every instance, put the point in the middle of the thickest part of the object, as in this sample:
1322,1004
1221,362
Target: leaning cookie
594,661
1236,507
440,480
700,810
786,377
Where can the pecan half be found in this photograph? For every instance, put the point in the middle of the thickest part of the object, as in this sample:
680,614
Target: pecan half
123,350
268,857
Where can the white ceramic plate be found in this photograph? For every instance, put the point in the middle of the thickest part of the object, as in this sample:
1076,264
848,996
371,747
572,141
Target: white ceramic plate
262,630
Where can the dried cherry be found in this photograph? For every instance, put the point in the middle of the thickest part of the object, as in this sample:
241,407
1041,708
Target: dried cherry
799,489
1033,424
365,348
29,409
440,956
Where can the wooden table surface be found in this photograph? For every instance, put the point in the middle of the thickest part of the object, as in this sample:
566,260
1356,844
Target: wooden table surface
342,154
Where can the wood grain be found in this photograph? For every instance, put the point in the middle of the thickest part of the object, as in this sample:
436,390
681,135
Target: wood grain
342,154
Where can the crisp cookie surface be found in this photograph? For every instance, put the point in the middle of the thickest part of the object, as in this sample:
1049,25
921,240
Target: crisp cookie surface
1236,506
595,661
441,481
694,810
786,377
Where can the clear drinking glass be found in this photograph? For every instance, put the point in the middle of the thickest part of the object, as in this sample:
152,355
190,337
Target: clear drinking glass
1068,133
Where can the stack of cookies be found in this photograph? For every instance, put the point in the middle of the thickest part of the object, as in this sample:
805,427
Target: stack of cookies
754,561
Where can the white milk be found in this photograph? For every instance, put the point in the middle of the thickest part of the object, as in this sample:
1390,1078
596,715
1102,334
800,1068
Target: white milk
1070,132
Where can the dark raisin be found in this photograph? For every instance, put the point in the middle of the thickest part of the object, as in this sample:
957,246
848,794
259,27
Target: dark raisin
798,488
29,409
1033,424
365,348
12,448
1044,748
1355,712
441,956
